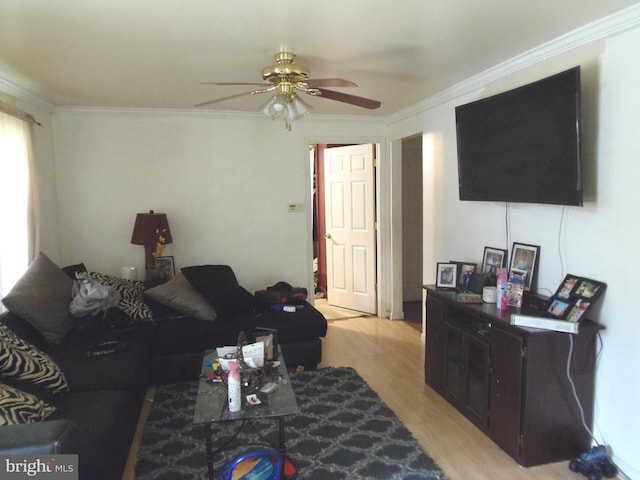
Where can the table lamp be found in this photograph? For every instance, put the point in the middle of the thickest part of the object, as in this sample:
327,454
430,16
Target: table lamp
147,231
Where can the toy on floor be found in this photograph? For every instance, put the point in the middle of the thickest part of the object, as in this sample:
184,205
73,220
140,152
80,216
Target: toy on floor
594,464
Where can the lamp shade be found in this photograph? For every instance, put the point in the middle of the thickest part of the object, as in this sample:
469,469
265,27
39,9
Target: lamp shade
148,227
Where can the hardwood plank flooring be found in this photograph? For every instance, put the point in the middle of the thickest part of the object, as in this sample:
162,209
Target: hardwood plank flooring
389,355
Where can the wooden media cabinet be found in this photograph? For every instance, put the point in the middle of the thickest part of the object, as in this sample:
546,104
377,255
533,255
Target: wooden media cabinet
511,381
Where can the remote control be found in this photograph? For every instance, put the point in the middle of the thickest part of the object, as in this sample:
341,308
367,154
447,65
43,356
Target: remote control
269,387
106,348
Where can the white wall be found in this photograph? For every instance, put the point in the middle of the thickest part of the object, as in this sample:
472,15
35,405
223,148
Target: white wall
597,241
224,183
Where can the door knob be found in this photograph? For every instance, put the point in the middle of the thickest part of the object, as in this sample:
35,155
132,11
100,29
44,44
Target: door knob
327,235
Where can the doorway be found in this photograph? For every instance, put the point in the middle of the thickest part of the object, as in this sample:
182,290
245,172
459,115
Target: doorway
412,229
344,219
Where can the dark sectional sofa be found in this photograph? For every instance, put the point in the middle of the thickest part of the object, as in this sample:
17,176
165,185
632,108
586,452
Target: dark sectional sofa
97,412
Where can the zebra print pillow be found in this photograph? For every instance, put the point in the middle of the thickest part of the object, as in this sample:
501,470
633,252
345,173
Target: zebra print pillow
23,361
17,406
132,293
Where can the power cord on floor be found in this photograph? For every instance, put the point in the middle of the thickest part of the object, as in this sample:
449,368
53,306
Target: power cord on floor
577,398
575,392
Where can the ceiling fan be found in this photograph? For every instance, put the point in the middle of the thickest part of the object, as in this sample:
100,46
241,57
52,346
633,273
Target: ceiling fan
286,79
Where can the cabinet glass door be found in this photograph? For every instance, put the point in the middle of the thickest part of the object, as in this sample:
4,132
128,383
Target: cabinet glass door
478,378
454,363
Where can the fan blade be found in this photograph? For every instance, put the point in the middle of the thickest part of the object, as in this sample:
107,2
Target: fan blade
234,83
352,99
329,82
211,102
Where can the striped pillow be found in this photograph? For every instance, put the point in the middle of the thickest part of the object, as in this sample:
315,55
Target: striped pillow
22,361
132,293
17,406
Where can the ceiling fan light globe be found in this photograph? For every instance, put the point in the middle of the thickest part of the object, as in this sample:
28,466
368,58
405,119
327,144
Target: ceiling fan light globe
298,108
276,106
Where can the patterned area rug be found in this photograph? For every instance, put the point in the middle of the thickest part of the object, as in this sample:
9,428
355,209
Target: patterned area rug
343,431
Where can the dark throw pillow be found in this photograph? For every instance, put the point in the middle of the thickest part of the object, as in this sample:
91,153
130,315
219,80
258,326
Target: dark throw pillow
42,298
180,295
219,286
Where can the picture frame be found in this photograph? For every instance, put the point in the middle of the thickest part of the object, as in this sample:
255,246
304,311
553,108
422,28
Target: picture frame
270,338
165,267
446,275
493,260
574,297
525,258
464,274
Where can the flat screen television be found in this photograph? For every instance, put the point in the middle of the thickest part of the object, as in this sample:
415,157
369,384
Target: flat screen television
523,145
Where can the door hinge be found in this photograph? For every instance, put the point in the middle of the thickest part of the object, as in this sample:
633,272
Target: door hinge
375,162
520,443
524,353
375,225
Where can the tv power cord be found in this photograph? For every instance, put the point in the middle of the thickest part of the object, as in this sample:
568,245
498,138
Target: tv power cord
596,462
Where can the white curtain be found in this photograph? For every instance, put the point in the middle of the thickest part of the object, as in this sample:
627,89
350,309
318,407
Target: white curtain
18,226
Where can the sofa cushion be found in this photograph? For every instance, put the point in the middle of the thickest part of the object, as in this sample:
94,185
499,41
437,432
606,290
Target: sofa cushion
306,323
219,286
22,361
128,369
131,291
179,294
105,424
17,406
42,298
191,335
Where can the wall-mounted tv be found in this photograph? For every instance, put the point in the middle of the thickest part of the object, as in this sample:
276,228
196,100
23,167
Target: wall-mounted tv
523,145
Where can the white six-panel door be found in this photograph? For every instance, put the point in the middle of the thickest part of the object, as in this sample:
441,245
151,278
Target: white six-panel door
349,183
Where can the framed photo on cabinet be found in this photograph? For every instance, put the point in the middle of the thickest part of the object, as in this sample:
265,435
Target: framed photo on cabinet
493,260
524,258
446,276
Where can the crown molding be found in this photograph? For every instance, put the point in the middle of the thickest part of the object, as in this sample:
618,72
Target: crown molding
23,95
602,29
607,27
199,113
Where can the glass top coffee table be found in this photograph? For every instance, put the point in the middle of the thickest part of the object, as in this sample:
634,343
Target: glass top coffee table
212,406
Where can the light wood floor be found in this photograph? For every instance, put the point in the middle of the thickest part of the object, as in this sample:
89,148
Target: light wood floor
389,355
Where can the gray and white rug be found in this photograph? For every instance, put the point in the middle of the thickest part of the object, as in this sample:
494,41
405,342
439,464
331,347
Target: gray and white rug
343,431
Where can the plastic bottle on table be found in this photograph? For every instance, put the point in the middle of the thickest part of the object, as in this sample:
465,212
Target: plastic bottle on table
233,388
501,283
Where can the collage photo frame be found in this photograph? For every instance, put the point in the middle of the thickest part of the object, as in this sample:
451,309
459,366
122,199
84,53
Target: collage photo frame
574,298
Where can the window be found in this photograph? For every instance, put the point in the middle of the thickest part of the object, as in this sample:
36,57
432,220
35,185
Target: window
16,200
